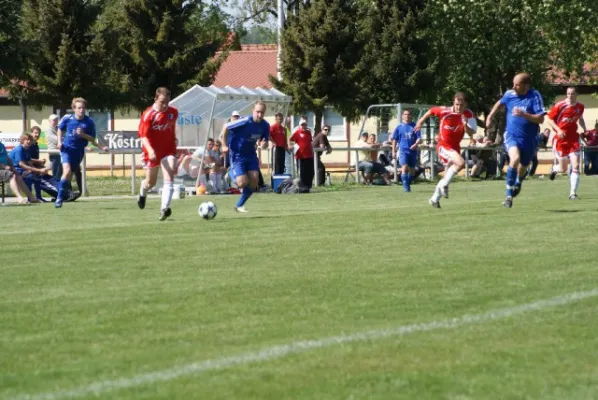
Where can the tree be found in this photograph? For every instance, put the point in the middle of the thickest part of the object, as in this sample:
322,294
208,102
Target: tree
481,45
393,64
58,63
318,55
11,60
152,43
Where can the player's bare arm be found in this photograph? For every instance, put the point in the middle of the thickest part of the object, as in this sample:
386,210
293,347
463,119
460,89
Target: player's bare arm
90,139
560,133
582,123
59,138
394,148
224,138
535,118
421,121
417,143
148,147
264,144
493,112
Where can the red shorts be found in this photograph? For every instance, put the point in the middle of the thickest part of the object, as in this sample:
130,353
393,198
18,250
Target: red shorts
147,163
564,148
444,151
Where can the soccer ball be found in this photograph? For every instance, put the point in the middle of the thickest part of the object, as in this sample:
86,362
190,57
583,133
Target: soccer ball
207,210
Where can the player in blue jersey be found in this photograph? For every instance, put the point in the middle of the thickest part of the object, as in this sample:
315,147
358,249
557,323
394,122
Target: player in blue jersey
241,137
74,132
405,140
525,112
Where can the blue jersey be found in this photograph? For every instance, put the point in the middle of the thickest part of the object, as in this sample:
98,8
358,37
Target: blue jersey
18,154
69,124
405,136
3,154
243,135
519,127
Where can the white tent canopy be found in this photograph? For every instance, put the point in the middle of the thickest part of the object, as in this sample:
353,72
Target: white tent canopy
204,110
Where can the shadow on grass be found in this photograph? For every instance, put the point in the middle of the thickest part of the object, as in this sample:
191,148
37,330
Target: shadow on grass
565,211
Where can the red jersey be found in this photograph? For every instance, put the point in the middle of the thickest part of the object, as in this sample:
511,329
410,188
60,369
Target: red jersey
302,137
159,129
278,134
592,137
566,117
451,130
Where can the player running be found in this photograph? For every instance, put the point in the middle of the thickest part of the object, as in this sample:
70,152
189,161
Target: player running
454,122
158,139
73,133
525,112
563,118
241,138
405,139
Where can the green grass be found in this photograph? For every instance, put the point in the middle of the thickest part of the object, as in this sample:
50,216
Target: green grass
101,290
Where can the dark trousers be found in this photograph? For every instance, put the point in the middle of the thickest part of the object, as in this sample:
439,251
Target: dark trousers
321,172
306,171
534,166
56,165
278,159
590,162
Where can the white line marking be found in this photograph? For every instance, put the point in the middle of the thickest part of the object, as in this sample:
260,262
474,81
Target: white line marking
274,352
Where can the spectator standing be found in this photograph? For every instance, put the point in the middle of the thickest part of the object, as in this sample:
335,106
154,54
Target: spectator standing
321,142
590,161
52,140
541,142
37,162
278,140
304,153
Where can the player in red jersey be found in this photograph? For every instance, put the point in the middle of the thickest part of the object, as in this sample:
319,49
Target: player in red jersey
563,119
158,139
454,122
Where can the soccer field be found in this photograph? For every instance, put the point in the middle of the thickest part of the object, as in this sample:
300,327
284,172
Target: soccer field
362,294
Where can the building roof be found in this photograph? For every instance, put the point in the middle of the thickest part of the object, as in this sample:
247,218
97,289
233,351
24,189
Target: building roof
589,76
248,67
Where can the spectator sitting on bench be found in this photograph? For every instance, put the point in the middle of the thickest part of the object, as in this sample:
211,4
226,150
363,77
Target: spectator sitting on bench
21,158
366,165
9,175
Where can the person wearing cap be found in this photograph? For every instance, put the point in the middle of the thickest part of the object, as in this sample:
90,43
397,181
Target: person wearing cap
52,140
304,153
235,116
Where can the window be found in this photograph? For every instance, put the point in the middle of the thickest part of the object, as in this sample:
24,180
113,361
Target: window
330,117
100,118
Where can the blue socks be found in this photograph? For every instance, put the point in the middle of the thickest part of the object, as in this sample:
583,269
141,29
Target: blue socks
62,187
521,178
511,178
245,195
406,178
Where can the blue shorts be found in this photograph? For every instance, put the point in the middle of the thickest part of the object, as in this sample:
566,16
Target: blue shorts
527,148
408,158
242,166
72,157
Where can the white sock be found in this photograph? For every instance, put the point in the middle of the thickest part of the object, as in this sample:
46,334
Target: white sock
142,189
448,176
574,181
436,196
167,191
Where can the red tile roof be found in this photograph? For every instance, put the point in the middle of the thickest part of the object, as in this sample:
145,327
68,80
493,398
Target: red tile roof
248,67
589,76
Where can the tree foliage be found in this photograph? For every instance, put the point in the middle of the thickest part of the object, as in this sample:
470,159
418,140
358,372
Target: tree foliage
146,44
482,44
11,60
58,62
393,61
318,55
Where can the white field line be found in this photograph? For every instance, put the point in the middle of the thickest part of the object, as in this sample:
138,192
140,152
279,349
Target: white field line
274,352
